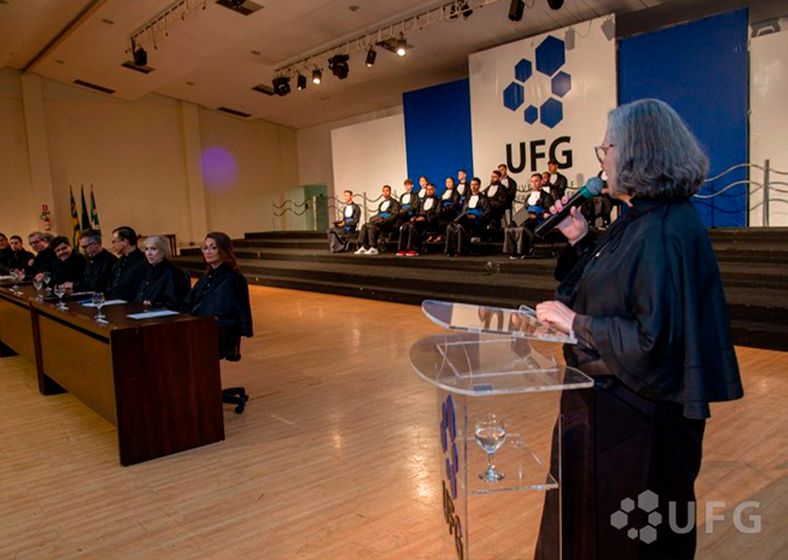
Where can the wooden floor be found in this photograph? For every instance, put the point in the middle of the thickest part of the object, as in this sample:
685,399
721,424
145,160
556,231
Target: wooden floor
336,456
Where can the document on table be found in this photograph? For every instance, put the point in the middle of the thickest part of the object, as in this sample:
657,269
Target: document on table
89,303
152,313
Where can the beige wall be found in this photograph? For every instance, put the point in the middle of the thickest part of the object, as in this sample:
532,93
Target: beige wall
137,157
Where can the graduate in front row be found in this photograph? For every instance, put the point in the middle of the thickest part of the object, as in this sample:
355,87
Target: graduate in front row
449,208
384,221
337,235
423,223
165,284
470,223
518,239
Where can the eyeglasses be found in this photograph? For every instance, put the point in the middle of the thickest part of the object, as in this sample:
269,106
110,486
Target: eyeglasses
601,151
209,248
86,245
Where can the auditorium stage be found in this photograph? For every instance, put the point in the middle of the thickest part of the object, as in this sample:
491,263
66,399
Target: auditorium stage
753,262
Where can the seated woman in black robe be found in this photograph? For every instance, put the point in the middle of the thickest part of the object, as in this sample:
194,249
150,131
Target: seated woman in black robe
450,208
222,292
165,284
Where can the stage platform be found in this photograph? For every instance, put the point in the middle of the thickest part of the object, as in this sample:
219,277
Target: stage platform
753,262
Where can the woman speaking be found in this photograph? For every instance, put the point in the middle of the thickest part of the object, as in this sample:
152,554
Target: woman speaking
646,304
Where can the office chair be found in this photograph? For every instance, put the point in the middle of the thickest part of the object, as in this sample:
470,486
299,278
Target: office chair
230,345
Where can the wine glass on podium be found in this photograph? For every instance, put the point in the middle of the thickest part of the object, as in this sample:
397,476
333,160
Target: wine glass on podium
490,435
60,291
98,301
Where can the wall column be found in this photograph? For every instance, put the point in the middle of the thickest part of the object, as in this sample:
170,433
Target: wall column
195,195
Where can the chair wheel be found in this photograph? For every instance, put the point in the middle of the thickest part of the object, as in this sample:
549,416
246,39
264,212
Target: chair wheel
240,408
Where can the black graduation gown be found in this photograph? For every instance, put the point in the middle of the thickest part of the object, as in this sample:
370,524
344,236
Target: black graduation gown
97,273
16,260
69,270
654,333
41,262
222,293
558,187
498,200
127,276
165,285
386,219
409,204
411,233
450,207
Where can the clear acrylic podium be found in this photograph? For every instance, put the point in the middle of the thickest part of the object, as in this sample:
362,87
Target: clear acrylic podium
498,361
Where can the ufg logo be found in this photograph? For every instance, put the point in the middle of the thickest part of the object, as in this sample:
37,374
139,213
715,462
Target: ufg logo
648,502
550,57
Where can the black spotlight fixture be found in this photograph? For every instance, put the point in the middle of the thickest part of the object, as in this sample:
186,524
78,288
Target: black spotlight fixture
555,4
281,85
516,9
338,64
317,76
140,57
301,82
371,56
461,8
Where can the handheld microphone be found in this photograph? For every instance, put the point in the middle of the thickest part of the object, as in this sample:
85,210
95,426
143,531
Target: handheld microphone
592,188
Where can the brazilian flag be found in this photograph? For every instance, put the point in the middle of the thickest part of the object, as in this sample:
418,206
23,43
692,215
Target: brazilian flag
74,219
94,221
85,215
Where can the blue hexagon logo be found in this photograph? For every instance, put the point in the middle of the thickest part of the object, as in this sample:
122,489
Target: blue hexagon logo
552,112
531,114
550,55
561,84
513,96
523,70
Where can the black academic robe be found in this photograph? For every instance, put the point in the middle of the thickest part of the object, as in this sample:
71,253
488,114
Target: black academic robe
41,262
498,197
409,204
97,273
127,276
69,270
388,211
450,206
165,285
16,260
511,189
222,293
558,185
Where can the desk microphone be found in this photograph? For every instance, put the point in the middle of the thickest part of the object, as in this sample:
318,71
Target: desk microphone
592,188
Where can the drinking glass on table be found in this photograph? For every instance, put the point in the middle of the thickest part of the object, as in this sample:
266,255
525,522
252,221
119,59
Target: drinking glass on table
38,283
98,301
47,279
15,274
60,291
490,435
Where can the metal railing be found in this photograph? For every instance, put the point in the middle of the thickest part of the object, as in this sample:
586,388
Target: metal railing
368,206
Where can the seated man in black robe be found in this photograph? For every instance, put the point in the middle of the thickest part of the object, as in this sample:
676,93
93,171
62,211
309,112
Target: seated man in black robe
17,258
511,189
68,266
100,263
165,284
462,185
498,196
384,221
129,272
518,239
338,234
470,223
408,203
424,222
558,182
45,256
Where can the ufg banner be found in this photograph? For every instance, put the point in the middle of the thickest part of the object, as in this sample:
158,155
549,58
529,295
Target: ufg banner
544,97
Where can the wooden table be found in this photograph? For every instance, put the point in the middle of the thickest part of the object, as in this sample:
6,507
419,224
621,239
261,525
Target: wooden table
157,379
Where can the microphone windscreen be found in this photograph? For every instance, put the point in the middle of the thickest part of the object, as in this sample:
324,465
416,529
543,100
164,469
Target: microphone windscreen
594,186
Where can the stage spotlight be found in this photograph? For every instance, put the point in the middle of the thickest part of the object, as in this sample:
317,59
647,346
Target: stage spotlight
402,46
140,57
281,85
555,4
371,56
516,9
317,76
463,8
338,64
301,82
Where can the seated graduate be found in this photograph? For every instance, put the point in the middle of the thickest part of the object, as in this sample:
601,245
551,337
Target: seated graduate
385,220
337,235
424,222
518,238
69,264
509,183
45,255
408,203
558,182
165,284
498,197
222,292
462,185
449,208
129,272
100,263
423,182
470,224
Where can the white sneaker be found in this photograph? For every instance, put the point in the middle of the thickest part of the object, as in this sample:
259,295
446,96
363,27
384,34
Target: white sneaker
476,239
361,251
372,251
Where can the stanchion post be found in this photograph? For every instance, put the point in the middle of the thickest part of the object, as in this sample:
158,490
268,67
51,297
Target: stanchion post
314,212
766,193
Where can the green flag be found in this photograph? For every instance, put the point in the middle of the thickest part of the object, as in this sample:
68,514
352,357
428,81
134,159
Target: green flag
85,216
74,218
94,221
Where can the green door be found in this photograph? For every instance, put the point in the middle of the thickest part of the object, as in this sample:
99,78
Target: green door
320,192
